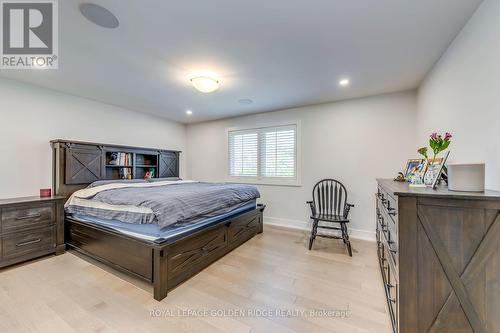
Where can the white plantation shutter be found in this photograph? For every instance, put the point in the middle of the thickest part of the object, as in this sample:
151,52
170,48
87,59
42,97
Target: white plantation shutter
277,152
269,152
243,153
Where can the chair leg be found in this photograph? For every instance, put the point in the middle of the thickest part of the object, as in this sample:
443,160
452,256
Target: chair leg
343,232
345,237
313,233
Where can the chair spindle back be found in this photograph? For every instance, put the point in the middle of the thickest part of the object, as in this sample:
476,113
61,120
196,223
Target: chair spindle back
329,197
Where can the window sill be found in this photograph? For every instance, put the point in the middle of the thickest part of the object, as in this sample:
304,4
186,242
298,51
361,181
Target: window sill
268,182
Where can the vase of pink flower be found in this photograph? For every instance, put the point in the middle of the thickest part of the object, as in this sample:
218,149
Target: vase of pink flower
438,144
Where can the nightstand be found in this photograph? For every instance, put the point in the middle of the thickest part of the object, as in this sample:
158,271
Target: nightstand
30,227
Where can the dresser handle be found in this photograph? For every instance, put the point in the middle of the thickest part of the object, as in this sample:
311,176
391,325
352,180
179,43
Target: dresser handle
391,211
33,216
29,242
392,300
389,285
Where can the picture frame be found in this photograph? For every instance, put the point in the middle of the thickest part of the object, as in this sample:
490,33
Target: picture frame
411,166
417,173
434,171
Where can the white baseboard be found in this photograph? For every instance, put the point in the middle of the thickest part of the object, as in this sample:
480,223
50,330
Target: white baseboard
303,225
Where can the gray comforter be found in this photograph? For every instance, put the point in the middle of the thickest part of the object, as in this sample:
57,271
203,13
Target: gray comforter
169,204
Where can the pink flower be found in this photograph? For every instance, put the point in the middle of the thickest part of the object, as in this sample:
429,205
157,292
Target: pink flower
447,136
434,136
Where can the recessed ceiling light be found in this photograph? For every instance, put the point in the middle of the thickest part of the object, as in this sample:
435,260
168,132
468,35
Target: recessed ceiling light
205,84
99,15
189,112
245,101
344,82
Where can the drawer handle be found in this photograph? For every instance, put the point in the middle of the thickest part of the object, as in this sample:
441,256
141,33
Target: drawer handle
392,300
389,285
26,217
393,251
391,211
29,242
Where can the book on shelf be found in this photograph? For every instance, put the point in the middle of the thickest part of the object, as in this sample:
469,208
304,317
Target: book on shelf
119,158
113,159
125,173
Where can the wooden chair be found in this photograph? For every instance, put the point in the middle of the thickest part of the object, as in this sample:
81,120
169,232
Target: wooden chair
330,205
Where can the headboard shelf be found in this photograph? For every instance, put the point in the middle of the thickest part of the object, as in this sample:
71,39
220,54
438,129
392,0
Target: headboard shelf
76,164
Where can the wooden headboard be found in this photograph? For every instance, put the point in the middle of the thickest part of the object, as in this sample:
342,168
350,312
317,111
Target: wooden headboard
76,164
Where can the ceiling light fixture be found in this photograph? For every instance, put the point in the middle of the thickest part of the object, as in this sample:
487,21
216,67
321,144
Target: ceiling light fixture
99,15
205,84
344,82
189,112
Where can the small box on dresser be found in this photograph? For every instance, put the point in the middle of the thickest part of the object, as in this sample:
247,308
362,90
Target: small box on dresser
438,253
30,227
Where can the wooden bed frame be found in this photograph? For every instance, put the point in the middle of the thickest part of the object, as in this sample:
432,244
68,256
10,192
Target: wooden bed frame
165,263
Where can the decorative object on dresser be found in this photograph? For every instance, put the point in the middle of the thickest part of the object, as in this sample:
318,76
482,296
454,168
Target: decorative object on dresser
434,169
45,193
466,177
329,205
30,227
165,263
412,167
438,253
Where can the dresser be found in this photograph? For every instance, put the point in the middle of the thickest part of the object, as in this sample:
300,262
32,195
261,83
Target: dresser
438,252
30,227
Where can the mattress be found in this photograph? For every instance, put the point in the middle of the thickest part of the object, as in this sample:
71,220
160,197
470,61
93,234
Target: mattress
162,203
153,232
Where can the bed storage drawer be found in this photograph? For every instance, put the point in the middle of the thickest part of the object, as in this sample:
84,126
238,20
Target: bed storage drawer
27,216
243,228
192,254
24,243
122,253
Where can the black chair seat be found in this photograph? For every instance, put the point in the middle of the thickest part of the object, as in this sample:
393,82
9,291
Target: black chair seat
329,218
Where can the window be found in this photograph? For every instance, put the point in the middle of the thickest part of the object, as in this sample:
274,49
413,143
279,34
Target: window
268,153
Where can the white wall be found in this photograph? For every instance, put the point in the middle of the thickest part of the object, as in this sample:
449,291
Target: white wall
462,94
353,141
32,116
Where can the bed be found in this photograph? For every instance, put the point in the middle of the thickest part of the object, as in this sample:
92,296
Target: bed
157,241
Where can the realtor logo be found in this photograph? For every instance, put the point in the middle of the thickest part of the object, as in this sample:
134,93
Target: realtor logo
29,34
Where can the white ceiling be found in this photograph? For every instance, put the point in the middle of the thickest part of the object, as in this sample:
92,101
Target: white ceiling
279,53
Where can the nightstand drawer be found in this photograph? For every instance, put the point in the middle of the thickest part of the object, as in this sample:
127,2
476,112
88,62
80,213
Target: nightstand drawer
26,242
27,216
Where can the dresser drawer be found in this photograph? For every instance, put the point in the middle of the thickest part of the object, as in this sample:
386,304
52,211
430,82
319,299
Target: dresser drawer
392,287
27,216
23,243
391,284
387,203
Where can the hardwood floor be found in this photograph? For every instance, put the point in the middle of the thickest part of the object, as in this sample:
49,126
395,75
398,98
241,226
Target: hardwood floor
273,271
